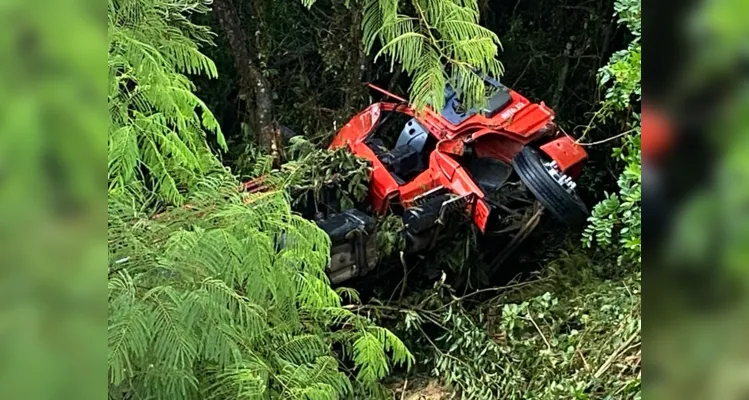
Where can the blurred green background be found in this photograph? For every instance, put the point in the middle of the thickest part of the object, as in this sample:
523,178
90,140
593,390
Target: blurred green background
52,211
696,317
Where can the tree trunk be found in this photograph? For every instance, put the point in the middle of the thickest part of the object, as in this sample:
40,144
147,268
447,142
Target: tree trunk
253,84
357,64
268,134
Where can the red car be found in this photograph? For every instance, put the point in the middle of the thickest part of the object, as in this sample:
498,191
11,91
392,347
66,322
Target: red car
438,167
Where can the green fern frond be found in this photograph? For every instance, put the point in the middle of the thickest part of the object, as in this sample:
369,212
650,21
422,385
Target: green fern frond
129,336
429,82
370,358
391,343
302,349
443,33
123,154
226,297
317,380
174,344
351,294
165,378
245,380
156,121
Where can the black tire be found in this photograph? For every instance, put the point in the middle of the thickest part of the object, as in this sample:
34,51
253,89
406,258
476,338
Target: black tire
565,207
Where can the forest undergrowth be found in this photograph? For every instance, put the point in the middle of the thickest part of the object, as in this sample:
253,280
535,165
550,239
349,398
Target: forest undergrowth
572,328
215,292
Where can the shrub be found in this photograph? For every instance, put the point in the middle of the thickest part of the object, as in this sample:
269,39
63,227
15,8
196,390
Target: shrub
616,221
228,297
580,342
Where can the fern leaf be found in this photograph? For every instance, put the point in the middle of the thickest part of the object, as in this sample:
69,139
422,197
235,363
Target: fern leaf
174,344
369,358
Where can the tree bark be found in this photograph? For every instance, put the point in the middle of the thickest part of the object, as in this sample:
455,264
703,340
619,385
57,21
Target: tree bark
357,64
253,85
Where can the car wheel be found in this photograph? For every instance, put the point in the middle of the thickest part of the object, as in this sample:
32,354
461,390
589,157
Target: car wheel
552,188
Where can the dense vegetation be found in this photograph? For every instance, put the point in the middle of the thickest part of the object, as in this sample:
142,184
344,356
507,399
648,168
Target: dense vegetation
217,293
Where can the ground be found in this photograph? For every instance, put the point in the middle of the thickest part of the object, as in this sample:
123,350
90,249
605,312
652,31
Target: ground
420,388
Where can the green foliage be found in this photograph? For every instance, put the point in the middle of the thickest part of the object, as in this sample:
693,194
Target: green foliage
228,297
157,125
527,343
465,357
314,169
435,42
624,75
630,15
621,212
617,219
390,234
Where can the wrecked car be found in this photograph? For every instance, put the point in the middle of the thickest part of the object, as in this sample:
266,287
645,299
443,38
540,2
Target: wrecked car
499,167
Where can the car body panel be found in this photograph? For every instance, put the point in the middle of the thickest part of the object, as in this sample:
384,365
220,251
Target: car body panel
501,136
